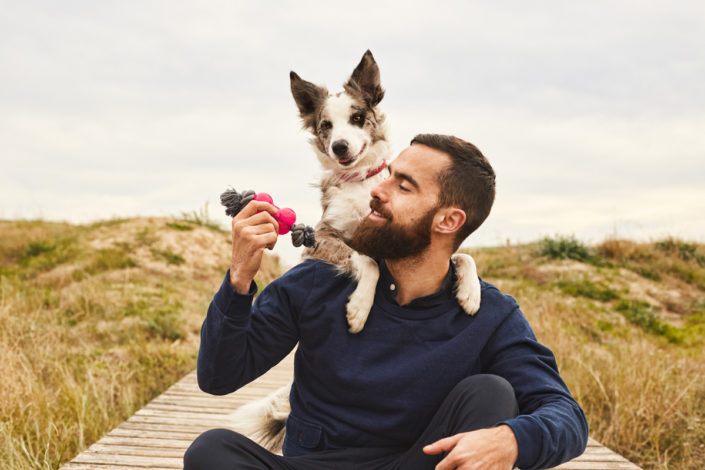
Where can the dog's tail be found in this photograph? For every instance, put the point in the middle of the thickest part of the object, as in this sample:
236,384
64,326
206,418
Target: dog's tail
264,420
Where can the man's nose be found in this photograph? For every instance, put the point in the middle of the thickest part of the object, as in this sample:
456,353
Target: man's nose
379,191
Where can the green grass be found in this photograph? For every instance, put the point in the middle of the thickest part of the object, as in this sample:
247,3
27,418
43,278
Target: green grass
168,257
41,255
588,289
642,315
110,258
183,227
201,217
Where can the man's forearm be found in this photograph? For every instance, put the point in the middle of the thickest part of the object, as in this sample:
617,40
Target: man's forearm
240,341
220,354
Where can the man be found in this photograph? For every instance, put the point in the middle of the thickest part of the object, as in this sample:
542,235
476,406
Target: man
423,385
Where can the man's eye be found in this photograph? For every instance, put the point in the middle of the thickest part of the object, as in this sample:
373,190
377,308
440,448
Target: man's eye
403,188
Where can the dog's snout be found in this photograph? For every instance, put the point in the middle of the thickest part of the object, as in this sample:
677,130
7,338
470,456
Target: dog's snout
340,148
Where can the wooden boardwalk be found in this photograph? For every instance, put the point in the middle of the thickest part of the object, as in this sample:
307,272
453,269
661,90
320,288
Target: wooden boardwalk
158,434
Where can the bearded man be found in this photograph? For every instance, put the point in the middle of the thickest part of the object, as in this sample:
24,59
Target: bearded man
423,385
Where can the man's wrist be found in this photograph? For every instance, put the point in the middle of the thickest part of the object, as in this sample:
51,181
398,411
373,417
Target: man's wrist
239,283
508,434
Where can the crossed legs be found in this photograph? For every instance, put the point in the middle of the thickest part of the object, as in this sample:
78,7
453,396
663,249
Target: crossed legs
477,402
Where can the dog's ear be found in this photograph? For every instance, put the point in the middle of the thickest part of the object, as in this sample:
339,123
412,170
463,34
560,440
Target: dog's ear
365,77
308,97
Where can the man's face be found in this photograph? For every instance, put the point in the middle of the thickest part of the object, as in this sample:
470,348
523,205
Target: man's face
403,206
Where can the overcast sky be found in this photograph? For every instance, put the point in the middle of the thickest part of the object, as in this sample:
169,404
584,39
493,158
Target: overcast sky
592,113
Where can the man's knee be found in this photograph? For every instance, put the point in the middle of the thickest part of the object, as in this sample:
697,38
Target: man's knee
486,387
486,396
212,450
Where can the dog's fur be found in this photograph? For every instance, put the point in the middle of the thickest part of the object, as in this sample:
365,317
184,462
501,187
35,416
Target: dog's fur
350,140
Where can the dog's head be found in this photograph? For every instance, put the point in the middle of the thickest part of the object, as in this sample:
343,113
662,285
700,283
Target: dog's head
346,126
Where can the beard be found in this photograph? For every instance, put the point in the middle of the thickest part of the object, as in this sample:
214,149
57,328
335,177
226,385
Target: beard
391,240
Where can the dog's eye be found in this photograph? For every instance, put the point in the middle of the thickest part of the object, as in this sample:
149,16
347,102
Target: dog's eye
357,118
325,125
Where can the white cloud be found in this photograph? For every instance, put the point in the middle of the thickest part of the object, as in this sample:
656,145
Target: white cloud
591,113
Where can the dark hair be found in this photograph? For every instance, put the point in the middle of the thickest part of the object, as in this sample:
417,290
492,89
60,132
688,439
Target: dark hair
468,183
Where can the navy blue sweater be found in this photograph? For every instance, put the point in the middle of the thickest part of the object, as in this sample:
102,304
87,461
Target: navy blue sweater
382,386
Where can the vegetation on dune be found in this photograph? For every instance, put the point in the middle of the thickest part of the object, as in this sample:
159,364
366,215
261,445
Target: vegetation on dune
627,323
96,320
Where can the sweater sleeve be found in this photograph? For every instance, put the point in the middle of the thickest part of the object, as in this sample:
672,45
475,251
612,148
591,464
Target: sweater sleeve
551,427
241,340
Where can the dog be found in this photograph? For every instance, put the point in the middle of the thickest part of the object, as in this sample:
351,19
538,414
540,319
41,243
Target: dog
349,138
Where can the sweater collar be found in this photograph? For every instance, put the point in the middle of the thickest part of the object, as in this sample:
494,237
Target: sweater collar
388,286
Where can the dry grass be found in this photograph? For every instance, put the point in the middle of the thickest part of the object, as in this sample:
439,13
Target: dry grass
643,389
97,320
94,322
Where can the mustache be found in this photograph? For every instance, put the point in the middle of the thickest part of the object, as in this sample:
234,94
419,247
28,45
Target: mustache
377,206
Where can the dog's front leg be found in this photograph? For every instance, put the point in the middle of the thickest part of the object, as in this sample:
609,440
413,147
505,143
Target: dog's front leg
468,285
366,270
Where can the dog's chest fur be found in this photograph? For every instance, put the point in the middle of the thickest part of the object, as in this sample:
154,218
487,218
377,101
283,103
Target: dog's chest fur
345,204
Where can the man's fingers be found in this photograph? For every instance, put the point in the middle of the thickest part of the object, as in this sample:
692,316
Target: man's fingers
253,206
272,241
452,462
258,237
443,445
260,229
258,218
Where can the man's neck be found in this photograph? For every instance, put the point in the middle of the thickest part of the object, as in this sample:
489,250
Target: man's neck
418,276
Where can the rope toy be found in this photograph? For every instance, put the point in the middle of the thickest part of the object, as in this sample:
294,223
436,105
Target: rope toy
301,234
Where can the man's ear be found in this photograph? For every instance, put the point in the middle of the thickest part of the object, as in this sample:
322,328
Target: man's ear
449,220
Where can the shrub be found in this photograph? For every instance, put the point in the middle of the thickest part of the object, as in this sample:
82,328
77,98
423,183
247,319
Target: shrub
567,248
685,251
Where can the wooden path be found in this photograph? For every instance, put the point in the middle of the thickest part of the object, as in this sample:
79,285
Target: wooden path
158,434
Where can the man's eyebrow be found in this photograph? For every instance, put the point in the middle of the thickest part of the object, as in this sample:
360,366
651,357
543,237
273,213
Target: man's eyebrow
404,176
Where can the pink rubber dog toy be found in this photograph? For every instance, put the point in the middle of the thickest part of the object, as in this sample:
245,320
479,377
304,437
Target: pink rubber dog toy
285,217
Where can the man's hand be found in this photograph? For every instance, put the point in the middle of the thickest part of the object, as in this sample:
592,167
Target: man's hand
486,449
252,232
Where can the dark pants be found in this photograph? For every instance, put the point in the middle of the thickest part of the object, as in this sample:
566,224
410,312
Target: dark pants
477,402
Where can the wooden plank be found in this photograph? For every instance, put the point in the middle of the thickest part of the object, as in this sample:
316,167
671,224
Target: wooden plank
578,465
156,436
97,458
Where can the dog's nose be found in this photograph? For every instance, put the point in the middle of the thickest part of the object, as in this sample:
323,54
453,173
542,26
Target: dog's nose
340,148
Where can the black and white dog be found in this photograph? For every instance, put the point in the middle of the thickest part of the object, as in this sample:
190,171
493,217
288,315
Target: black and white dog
349,137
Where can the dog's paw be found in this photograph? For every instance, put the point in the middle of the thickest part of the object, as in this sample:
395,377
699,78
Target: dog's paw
468,284
358,309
